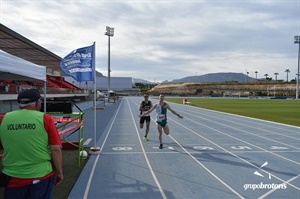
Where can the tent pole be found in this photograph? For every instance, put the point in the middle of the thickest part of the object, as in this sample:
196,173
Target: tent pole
45,97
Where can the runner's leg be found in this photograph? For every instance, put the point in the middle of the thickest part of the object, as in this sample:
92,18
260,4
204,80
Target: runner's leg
147,127
142,122
159,129
166,129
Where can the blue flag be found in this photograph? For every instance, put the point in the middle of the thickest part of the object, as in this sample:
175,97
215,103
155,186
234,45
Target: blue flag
79,64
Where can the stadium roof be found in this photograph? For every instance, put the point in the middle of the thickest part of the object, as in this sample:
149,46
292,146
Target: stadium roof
17,45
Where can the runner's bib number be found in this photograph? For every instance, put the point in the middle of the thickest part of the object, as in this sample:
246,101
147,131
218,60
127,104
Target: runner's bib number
161,117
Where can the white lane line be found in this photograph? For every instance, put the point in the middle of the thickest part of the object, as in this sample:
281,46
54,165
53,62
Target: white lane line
87,189
238,119
126,153
245,141
272,190
88,186
235,154
87,141
146,157
246,132
199,152
209,171
249,163
268,124
232,152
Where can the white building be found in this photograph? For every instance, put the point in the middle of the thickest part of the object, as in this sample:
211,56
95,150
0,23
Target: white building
120,85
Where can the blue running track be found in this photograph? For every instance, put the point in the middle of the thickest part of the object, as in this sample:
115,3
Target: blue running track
208,154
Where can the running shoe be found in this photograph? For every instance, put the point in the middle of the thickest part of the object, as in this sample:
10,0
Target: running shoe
145,138
161,146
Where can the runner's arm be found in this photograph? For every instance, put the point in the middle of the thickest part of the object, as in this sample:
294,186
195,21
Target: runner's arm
174,112
149,111
141,106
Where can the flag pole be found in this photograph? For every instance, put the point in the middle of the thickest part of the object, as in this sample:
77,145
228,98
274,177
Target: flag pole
95,149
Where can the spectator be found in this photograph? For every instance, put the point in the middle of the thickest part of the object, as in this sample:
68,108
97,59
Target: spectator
31,150
7,88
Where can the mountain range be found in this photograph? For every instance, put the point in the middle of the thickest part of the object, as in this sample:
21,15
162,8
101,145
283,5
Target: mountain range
138,80
217,77
211,77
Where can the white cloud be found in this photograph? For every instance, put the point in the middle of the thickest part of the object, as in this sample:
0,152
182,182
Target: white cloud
166,40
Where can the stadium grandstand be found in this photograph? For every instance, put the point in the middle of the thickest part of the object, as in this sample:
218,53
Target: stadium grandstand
54,86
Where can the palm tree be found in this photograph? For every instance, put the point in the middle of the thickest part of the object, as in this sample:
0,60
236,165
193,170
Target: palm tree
266,75
287,74
256,75
276,76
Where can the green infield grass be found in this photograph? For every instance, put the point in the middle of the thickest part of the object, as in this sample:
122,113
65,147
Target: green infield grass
276,110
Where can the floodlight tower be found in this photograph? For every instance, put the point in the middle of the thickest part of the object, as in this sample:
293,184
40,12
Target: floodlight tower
297,41
110,33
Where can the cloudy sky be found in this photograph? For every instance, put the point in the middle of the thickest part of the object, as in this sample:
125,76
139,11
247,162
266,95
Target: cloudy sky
164,40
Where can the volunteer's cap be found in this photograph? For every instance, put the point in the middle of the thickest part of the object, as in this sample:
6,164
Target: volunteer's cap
29,96
145,95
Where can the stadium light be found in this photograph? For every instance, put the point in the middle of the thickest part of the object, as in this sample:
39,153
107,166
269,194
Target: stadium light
297,41
110,33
